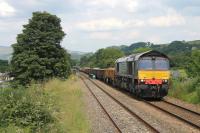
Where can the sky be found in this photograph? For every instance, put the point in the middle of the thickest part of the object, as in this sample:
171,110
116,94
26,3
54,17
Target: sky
94,24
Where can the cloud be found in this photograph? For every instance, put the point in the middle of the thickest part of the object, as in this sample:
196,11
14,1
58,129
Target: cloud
132,5
154,38
127,5
109,3
101,35
108,24
172,18
6,9
101,25
133,35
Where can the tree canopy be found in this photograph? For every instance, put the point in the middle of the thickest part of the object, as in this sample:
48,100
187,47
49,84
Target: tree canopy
38,54
103,58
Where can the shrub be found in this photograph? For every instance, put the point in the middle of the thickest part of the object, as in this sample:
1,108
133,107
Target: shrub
25,108
198,93
187,90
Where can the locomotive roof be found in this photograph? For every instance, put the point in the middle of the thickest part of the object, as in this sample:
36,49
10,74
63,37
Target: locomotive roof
133,57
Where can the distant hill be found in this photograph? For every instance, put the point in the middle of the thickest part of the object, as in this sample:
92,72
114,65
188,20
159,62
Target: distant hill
5,52
76,55
169,48
194,42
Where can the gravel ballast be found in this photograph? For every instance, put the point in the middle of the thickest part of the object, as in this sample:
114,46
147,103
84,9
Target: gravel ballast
160,120
99,122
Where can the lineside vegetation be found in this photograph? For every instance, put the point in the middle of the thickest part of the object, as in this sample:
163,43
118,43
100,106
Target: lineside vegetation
40,99
55,107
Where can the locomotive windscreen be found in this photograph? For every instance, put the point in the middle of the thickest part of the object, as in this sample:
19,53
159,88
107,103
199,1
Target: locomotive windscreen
153,64
161,64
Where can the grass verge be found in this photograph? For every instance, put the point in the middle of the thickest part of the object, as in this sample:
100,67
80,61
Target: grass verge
68,97
53,107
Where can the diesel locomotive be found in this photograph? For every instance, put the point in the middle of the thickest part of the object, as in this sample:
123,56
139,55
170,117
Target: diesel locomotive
144,74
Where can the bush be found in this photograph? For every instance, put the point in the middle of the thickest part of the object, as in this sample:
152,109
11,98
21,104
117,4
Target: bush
198,92
26,108
187,90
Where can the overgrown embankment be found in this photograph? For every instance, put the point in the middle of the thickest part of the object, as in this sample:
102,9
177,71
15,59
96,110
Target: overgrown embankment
54,107
68,97
186,89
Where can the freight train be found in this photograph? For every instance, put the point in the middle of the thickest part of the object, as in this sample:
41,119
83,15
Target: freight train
144,74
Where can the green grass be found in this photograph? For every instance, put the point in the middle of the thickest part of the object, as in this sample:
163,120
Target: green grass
186,89
53,107
69,99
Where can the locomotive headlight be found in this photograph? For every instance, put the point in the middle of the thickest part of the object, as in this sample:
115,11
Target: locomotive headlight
142,80
165,80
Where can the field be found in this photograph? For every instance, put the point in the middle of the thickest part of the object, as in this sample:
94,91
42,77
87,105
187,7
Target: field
53,107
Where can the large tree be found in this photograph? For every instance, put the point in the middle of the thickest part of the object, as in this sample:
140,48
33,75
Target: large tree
38,54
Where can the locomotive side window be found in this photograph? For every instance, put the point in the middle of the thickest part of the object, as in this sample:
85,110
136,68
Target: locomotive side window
130,69
123,68
117,67
133,68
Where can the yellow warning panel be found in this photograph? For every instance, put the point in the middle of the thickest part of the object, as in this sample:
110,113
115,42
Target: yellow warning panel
153,74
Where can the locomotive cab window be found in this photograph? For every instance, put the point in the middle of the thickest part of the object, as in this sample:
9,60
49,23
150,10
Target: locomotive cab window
145,64
156,63
161,64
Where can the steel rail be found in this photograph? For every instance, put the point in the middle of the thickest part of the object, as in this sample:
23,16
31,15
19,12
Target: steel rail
172,114
191,111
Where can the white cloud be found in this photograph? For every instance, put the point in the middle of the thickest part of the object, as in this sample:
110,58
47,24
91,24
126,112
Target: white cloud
132,5
101,25
109,3
154,38
109,24
171,19
6,9
126,5
101,35
133,35
12,24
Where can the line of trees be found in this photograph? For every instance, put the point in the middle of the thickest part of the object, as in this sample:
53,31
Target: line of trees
103,58
182,55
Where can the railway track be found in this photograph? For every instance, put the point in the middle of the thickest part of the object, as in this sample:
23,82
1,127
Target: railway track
102,107
184,114
151,128
188,116
194,112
